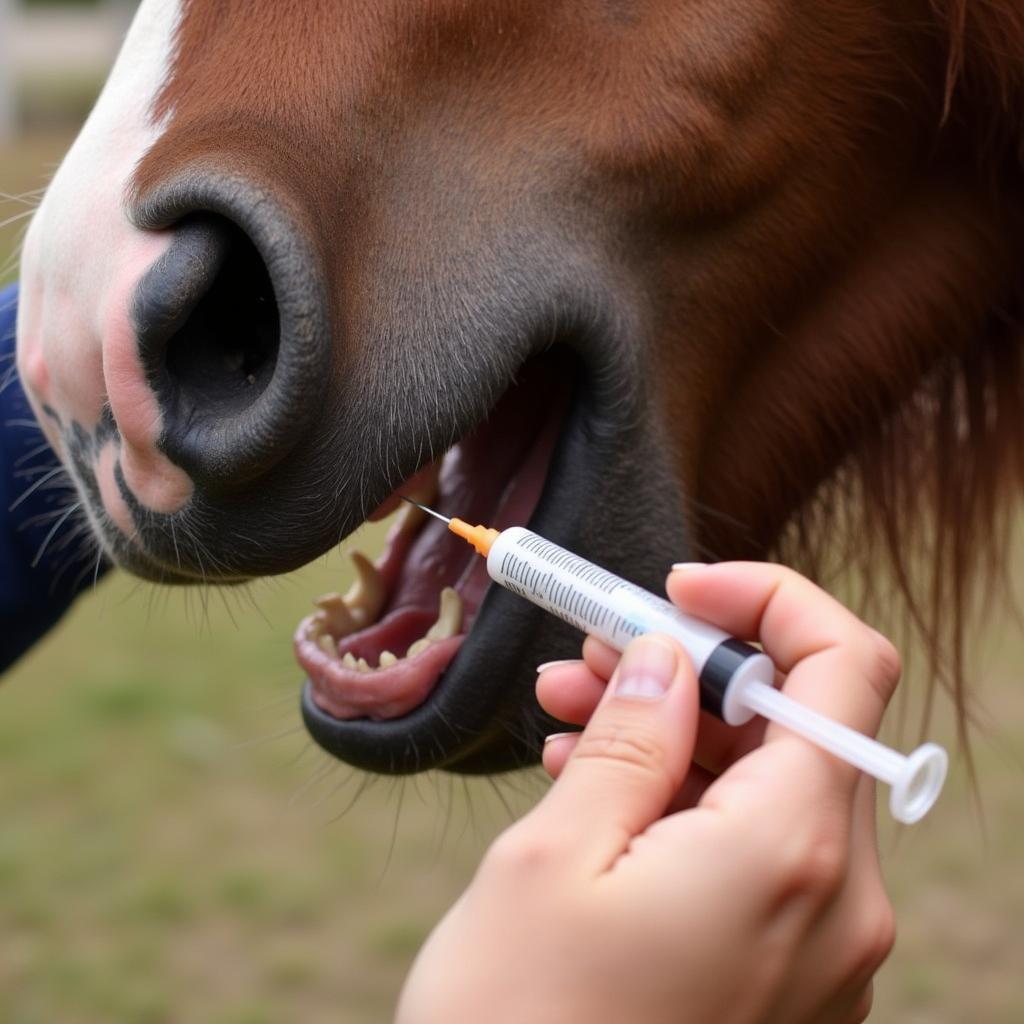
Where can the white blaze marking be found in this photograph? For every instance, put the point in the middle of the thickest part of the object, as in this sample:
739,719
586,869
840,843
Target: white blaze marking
82,258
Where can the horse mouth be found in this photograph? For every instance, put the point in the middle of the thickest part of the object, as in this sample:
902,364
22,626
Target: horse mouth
382,650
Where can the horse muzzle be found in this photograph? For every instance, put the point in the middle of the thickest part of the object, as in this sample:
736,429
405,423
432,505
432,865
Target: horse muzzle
270,391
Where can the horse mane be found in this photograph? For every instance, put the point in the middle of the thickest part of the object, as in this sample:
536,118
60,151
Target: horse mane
929,493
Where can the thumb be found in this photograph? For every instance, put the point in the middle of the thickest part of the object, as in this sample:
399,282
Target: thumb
632,756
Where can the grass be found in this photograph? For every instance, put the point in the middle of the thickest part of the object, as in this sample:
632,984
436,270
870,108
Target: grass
174,848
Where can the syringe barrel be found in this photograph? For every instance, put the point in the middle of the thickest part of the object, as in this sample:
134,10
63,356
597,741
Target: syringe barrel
599,602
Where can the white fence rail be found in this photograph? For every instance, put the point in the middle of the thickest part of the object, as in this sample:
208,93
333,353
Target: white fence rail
8,118
61,40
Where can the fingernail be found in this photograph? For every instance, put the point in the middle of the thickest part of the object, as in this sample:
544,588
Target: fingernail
555,664
646,670
689,565
558,736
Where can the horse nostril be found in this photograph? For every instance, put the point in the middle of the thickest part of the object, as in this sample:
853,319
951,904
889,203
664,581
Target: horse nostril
222,354
209,329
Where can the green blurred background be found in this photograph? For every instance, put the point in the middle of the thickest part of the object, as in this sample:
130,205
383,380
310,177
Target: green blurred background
173,848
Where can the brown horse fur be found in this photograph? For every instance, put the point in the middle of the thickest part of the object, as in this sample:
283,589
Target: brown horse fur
838,318
929,489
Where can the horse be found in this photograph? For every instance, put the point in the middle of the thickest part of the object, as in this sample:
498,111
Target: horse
662,279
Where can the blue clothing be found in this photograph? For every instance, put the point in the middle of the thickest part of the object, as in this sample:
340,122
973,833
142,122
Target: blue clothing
40,574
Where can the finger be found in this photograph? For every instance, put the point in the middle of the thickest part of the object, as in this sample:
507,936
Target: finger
851,926
718,744
569,691
632,757
861,1004
600,658
557,749
835,662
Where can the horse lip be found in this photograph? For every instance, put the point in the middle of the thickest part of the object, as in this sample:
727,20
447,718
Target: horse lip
477,719
465,694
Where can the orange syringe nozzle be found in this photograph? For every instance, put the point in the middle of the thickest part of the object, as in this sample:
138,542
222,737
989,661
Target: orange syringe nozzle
481,537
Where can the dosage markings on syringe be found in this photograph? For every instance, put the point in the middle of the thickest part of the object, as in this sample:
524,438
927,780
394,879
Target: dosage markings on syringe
564,600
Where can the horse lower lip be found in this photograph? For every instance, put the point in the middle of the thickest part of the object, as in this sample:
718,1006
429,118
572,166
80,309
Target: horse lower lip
382,693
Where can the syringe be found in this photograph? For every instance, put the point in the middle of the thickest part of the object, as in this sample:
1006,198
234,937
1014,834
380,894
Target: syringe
736,679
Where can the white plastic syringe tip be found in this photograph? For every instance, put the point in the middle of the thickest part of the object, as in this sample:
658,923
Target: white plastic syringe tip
919,783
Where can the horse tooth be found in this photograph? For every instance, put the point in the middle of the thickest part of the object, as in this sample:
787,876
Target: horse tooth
362,665
348,660
449,616
421,645
365,598
335,615
409,519
386,659
327,645
426,490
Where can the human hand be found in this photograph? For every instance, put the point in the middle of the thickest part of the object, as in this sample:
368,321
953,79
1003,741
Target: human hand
670,874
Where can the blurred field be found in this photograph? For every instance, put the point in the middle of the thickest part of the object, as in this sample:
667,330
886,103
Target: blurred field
174,849
23,170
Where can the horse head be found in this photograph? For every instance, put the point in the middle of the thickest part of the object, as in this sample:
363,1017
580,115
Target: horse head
623,270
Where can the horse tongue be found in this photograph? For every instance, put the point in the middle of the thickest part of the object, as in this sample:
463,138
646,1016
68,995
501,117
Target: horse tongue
478,476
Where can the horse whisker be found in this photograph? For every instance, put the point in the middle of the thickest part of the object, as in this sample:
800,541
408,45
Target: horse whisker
34,487
16,217
10,376
74,533
29,471
38,450
53,531
32,195
41,518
